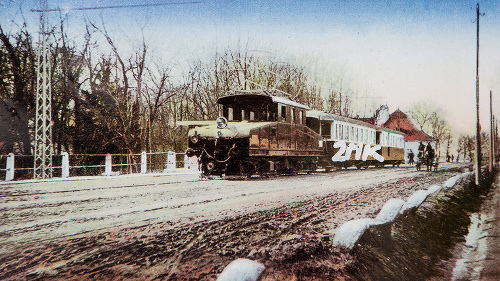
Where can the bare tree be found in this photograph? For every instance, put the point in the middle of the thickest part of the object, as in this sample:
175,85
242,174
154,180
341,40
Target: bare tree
422,112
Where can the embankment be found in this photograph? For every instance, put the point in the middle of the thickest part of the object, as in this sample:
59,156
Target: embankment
414,245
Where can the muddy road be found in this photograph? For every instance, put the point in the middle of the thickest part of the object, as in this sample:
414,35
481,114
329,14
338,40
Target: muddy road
178,227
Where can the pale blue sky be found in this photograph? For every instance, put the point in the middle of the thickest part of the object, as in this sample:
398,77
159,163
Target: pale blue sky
400,51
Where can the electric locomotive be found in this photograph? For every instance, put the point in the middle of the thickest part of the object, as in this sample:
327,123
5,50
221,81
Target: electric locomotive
258,133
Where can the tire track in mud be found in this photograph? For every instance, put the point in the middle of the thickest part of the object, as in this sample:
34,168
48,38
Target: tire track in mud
289,239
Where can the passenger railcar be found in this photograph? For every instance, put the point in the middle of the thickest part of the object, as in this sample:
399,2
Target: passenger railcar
350,142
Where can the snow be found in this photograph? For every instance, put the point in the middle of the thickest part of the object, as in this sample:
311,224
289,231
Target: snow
451,181
348,233
417,198
434,188
474,252
389,211
242,270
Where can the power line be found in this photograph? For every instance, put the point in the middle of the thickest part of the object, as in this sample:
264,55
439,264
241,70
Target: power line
114,7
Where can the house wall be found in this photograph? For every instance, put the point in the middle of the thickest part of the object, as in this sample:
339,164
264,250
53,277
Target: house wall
413,145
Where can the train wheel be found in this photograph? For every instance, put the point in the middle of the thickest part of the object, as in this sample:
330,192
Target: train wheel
246,168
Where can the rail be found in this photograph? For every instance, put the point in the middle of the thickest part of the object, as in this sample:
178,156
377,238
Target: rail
20,167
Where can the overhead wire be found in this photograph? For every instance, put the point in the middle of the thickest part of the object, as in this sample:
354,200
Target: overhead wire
114,7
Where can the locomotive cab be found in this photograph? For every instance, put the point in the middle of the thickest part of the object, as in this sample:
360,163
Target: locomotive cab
257,133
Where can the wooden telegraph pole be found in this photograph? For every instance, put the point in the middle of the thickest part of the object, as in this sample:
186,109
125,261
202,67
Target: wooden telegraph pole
478,125
490,163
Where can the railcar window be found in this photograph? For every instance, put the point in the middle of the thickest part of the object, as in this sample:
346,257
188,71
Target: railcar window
292,115
283,112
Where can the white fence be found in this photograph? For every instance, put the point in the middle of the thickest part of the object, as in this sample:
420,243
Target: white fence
66,165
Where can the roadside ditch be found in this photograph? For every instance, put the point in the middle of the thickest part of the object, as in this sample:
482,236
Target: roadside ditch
419,243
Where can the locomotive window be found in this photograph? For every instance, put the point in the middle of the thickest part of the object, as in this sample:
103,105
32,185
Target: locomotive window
292,115
230,114
326,129
252,116
283,112
242,114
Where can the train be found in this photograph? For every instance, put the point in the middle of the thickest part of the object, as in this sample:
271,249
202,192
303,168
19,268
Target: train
260,132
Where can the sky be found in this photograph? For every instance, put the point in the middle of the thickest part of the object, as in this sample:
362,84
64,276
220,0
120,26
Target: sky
396,52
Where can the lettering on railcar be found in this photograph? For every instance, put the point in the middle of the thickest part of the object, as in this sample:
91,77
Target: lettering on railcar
362,151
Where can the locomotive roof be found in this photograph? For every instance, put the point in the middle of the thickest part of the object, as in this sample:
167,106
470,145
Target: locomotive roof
257,99
320,115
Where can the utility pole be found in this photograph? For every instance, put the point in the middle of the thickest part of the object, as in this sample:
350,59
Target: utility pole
43,118
478,125
490,163
497,142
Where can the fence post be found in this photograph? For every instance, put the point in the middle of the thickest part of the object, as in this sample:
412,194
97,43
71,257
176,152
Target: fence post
194,164
144,162
108,165
9,175
170,162
65,165
186,162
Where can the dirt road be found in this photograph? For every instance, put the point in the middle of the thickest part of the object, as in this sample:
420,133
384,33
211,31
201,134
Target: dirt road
180,228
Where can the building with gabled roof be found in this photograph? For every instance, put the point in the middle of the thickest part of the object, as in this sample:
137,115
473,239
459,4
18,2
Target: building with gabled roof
399,121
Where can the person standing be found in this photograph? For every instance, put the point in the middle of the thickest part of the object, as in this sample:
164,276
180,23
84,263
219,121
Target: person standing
411,155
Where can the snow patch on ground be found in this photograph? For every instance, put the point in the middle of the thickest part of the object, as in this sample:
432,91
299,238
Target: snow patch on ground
389,211
348,233
452,181
434,188
470,265
417,198
242,270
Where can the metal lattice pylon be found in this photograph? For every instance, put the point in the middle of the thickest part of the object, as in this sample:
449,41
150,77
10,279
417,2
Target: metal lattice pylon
43,119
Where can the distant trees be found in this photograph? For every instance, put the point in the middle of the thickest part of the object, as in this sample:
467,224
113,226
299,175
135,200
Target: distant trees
430,119
108,100
17,87
467,146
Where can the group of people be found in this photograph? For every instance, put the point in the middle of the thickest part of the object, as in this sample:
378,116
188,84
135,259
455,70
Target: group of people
424,153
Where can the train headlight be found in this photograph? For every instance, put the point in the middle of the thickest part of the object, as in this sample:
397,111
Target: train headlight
194,138
210,166
221,122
